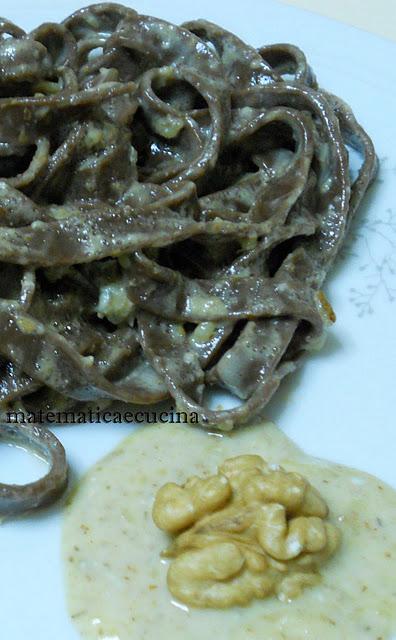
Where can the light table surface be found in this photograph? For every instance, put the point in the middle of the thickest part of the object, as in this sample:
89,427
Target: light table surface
376,16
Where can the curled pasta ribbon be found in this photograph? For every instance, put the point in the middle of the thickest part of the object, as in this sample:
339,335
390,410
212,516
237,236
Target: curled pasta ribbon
17,498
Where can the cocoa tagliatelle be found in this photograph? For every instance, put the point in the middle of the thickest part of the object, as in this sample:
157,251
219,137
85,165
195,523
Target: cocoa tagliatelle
171,200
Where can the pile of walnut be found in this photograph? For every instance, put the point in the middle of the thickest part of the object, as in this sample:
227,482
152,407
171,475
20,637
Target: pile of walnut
250,531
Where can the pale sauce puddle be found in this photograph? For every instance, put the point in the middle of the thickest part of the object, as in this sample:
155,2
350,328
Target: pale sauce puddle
116,581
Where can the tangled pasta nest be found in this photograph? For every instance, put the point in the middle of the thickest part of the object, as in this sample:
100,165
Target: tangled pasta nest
171,201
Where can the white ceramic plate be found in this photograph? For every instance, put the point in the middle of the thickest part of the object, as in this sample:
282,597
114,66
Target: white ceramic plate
341,404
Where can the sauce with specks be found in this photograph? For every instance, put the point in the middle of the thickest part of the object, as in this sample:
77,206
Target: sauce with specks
116,580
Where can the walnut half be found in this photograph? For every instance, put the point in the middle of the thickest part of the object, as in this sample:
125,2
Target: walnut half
250,531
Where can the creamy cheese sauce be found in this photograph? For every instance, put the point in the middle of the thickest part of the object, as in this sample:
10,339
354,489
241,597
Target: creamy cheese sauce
116,579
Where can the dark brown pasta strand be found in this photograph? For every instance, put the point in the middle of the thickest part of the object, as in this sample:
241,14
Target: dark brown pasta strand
171,201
